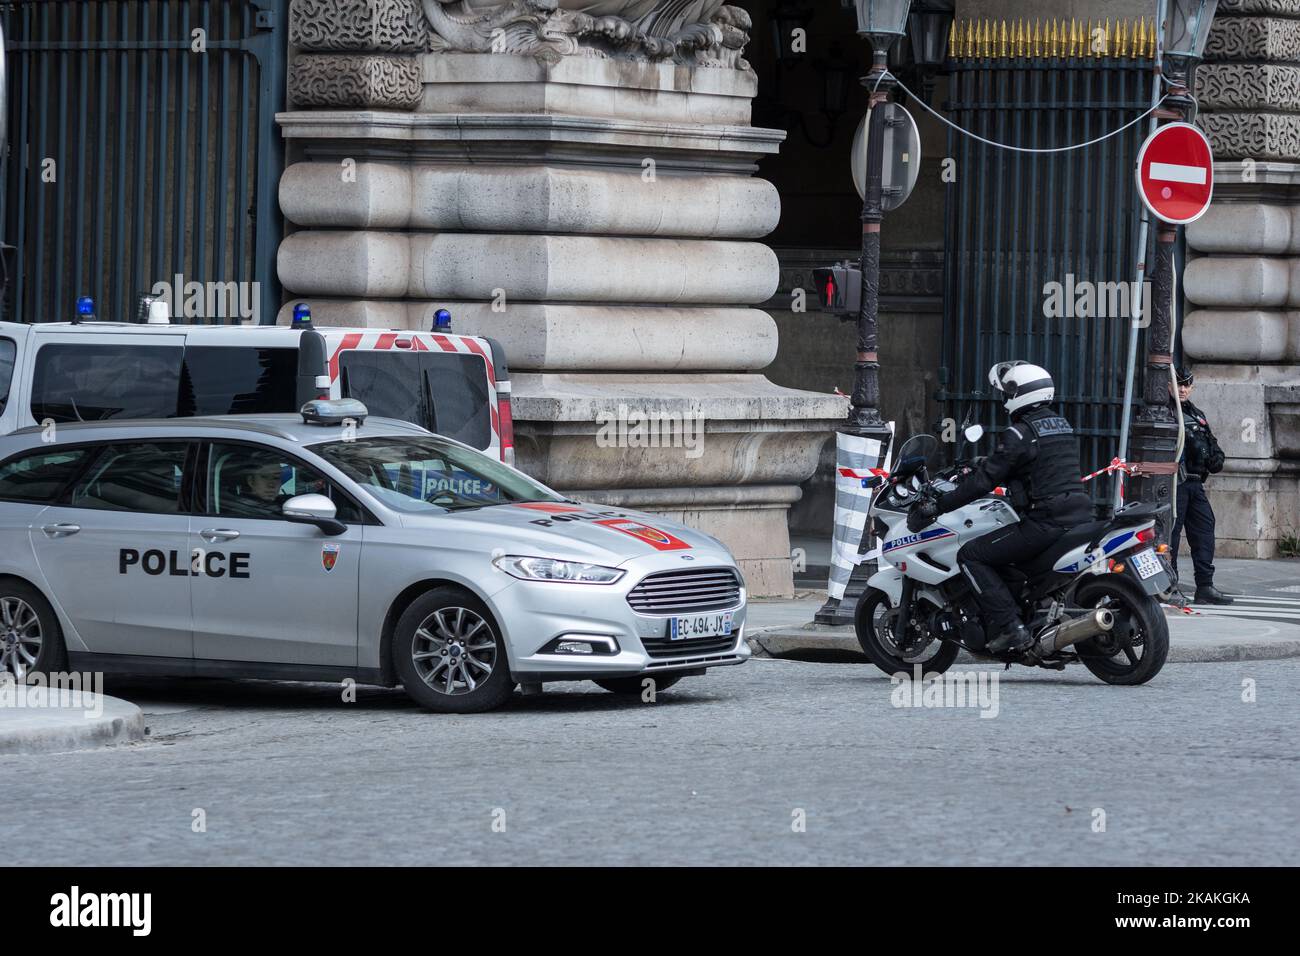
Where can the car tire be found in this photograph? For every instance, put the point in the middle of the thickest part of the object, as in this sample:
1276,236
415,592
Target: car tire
24,613
449,654
632,686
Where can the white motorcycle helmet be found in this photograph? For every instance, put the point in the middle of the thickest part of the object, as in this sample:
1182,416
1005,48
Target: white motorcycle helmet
1022,384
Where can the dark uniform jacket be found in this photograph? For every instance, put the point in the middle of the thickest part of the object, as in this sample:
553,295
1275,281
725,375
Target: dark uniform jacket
1037,459
1201,452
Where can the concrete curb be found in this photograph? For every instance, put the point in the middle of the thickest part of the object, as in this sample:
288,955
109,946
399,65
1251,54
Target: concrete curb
780,641
40,725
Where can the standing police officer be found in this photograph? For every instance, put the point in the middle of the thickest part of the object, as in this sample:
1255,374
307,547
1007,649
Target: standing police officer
1202,456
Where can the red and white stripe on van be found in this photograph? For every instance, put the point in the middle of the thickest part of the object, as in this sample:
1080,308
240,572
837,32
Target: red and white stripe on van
337,341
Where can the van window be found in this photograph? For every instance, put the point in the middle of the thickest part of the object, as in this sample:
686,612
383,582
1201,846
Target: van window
445,392
39,476
8,349
235,380
459,387
91,383
387,383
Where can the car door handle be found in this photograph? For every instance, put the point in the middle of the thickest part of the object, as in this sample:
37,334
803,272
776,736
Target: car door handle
218,534
60,530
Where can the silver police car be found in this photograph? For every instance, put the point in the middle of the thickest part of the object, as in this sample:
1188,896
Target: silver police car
325,546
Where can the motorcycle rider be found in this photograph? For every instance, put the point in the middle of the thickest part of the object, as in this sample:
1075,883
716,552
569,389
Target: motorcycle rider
1037,459
1202,457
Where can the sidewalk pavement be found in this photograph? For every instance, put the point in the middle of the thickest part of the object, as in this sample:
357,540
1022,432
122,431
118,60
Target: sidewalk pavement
36,719
783,628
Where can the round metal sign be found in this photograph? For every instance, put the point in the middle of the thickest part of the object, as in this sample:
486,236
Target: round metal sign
902,156
1175,173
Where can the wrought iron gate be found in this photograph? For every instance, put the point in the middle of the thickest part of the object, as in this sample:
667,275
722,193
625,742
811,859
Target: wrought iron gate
1017,221
142,147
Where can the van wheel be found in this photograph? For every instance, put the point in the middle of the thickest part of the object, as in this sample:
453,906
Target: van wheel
632,686
449,655
31,640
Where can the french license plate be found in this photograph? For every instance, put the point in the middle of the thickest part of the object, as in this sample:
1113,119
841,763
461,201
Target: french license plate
699,625
1147,564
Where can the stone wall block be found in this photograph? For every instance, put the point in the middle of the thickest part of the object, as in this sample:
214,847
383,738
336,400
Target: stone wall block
526,267
354,81
1246,228
397,26
351,264
600,202
1213,335
1241,282
364,195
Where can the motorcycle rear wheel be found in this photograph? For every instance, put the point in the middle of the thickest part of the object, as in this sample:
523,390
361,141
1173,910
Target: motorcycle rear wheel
872,622
1136,649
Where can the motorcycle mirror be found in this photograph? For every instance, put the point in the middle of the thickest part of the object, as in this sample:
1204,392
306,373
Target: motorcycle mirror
974,433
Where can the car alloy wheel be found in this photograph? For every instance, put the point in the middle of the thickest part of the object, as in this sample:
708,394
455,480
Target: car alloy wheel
21,637
454,651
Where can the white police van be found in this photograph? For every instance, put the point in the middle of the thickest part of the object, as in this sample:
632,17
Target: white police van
59,372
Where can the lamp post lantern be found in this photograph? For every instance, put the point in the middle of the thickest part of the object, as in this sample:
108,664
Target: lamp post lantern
1154,443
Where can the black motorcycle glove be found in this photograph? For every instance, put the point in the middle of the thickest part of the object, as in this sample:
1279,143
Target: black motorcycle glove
923,513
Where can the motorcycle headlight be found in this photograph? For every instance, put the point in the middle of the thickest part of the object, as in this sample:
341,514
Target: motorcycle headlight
548,569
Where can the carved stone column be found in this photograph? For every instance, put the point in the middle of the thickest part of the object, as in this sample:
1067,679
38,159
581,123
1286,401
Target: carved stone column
1242,333
575,179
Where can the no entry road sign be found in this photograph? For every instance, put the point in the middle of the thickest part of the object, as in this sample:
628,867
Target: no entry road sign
1175,173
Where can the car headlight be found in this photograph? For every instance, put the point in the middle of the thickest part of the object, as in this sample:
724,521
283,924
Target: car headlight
548,569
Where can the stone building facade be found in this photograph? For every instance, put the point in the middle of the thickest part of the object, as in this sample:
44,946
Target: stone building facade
1242,281
582,180
575,179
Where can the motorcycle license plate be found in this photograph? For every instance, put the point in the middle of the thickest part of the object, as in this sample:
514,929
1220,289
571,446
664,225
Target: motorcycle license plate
1147,564
700,625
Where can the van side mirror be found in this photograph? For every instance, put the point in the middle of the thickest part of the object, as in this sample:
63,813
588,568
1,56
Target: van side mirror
974,433
315,510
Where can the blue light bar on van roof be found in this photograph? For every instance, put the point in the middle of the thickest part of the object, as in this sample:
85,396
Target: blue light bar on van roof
302,316
442,321
85,305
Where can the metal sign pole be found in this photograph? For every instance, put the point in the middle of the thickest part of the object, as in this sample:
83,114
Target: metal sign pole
1126,413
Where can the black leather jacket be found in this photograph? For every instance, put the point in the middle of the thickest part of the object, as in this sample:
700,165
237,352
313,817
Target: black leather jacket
1037,459
1201,452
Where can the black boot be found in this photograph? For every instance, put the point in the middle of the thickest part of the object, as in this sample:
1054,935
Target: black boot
1013,638
1211,595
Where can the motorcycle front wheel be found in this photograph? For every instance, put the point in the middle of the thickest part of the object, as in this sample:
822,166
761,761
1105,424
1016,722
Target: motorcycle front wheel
874,623
1133,651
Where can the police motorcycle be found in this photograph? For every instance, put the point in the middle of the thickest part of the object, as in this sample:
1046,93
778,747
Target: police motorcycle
1089,598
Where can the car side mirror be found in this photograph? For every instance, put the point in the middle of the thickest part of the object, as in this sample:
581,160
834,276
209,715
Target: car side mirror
974,433
315,510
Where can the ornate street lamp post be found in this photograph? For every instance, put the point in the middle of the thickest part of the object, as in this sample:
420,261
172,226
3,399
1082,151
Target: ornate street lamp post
1155,427
882,22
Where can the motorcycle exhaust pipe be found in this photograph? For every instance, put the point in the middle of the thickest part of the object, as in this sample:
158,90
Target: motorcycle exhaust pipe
1071,632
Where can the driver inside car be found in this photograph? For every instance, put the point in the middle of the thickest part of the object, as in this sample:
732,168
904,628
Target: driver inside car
1037,459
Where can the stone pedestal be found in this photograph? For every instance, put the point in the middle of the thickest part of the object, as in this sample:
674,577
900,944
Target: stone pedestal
591,204
1242,331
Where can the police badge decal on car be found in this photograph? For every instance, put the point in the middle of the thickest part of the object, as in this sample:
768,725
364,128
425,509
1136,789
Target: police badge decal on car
329,556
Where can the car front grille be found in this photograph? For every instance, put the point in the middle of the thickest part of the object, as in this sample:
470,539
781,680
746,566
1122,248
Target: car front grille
686,592
659,647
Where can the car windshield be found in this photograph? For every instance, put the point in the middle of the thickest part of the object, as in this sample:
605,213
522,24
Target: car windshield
430,474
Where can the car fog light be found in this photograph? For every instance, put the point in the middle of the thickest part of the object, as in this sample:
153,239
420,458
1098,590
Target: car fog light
581,644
